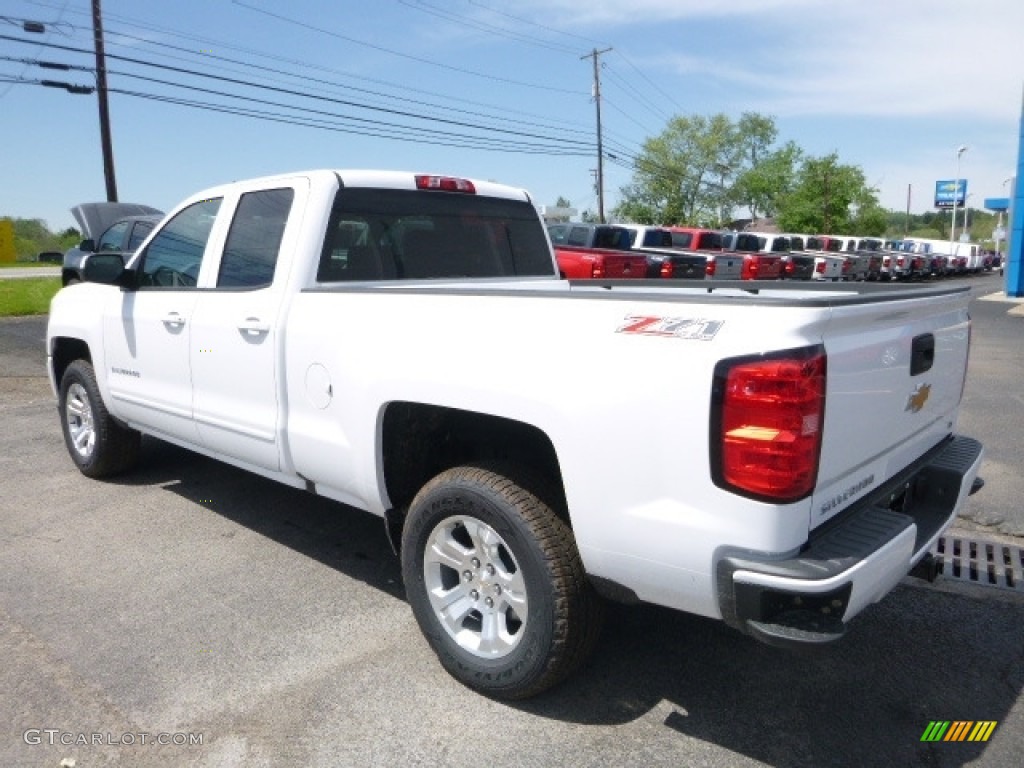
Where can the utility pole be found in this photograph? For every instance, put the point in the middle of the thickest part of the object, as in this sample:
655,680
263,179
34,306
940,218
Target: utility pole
101,91
906,222
594,54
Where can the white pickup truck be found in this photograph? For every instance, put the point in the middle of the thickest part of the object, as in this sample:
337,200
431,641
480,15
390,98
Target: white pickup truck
777,457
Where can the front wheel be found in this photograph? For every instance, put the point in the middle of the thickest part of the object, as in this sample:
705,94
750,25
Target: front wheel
97,444
496,583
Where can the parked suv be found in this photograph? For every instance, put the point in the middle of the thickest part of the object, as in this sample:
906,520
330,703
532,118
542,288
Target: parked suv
123,226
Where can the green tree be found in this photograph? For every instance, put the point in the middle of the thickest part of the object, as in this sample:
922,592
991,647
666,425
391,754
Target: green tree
761,187
688,173
32,236
830,197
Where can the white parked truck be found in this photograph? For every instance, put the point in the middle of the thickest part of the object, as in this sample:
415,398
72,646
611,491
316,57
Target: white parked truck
776,457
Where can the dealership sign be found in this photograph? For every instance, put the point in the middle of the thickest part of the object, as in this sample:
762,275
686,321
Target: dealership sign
948,191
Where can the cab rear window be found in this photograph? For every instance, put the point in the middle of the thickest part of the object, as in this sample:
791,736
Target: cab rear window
391,234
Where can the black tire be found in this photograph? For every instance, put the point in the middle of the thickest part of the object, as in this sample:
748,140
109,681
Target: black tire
96,443
534,550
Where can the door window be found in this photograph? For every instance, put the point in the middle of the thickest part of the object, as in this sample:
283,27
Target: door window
141,231
250,254
112,239
172,258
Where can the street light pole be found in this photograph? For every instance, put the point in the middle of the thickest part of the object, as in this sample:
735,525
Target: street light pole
956,192
963,229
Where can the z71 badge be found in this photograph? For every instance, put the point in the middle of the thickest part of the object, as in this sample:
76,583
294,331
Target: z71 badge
678,327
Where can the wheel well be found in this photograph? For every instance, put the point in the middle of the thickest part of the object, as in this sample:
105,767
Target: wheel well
65,352
421,441
68,274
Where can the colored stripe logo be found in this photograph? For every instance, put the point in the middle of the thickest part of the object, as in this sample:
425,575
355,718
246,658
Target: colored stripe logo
959,730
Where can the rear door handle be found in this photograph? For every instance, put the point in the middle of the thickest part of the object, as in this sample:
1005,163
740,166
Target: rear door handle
254,326
174,319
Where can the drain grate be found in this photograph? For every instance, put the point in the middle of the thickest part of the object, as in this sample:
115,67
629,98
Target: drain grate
976,561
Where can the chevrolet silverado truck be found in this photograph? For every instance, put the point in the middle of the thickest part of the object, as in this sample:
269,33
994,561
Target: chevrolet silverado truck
721,265
762,254
665,260
402,343
595,251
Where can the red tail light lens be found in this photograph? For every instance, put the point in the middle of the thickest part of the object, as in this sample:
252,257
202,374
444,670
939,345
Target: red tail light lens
767,416
709,270
445,184
820,267
597,269
666,268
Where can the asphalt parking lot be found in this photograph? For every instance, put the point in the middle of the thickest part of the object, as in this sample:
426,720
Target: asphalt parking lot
193,602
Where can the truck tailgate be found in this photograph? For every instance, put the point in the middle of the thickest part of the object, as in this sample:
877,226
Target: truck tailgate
895,378
728,265
624,265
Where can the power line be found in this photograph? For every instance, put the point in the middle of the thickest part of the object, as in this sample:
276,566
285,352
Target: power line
424,7
418,59
547,120
344,102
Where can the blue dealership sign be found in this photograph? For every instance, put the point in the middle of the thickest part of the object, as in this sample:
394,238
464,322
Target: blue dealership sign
949,190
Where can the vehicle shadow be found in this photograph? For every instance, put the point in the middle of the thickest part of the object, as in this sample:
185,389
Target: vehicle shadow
349,540
920,655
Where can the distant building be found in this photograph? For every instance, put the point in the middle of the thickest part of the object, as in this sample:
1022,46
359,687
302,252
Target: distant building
554,214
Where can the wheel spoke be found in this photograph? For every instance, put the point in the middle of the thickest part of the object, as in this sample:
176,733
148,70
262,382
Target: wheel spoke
491,640
454,611
448,552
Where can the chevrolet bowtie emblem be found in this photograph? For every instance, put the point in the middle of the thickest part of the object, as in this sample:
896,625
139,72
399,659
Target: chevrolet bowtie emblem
918,398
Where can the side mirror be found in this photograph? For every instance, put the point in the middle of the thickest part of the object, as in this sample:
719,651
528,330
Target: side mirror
108,269
87,246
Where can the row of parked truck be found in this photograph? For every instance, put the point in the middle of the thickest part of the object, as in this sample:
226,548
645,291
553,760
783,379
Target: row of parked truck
610,251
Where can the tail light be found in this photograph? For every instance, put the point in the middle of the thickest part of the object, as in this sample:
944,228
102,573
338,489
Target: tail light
749,268
820,267
899,261
666,268
709,270
597,269
846,267
445,184
790,267
767,414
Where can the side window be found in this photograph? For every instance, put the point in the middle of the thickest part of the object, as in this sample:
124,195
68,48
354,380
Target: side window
559,233
250,253
682,239
112,239
172,258
141,231
578,236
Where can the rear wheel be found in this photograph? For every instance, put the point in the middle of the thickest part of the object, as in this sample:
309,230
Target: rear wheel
97,444
496,583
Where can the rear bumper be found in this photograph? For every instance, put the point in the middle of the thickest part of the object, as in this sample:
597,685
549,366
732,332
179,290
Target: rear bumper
852,561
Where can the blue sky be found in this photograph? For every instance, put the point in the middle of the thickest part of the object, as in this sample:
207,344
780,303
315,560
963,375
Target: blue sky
894,86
